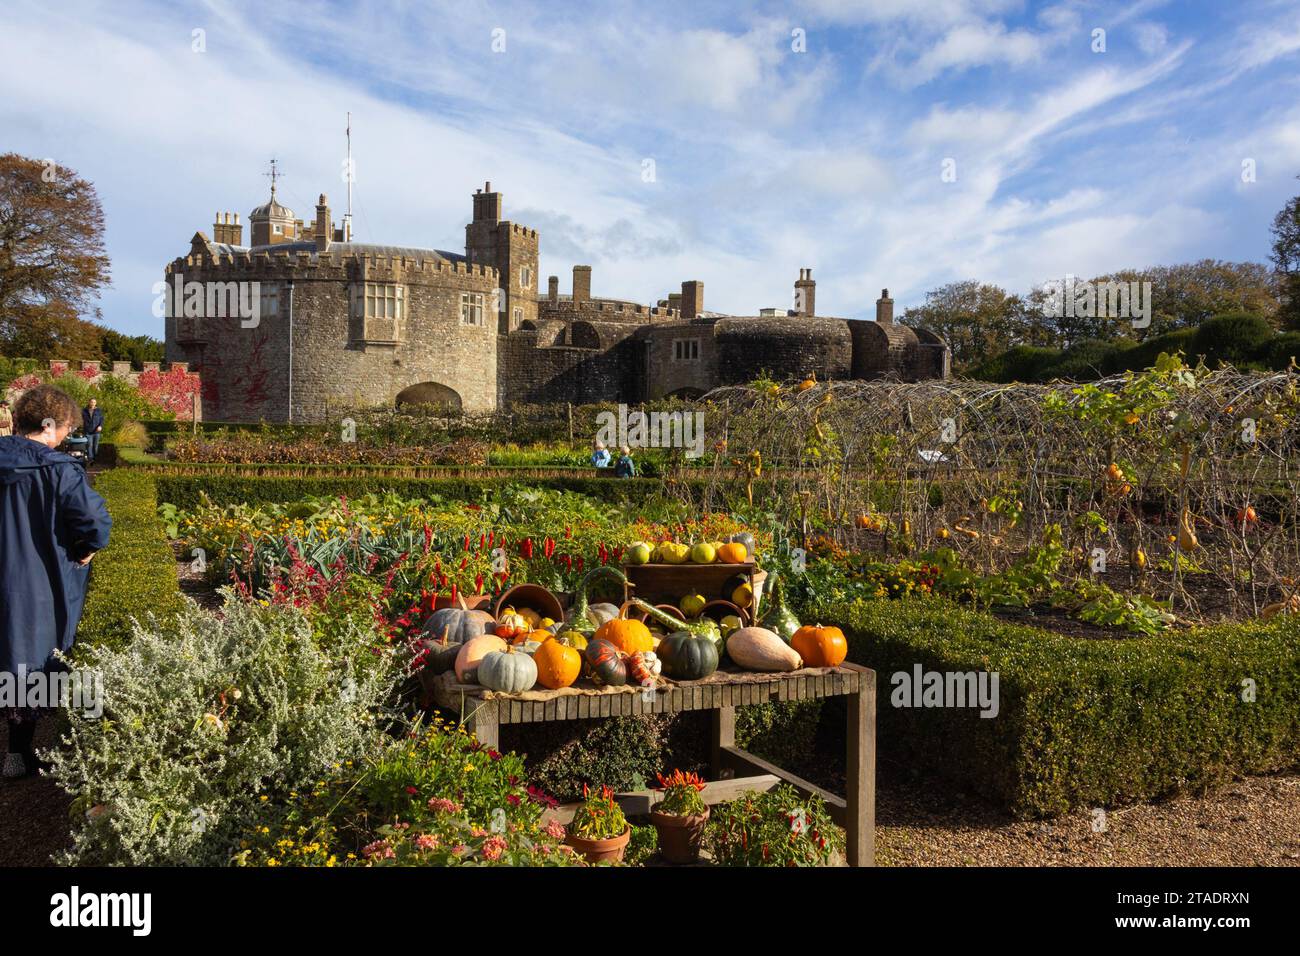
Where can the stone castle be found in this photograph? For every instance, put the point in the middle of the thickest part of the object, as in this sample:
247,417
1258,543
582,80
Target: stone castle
342,323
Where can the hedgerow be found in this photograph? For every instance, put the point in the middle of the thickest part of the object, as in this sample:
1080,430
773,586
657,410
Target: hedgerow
1082,723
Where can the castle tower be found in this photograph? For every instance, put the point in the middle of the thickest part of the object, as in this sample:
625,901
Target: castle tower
805,294
272,223
509,248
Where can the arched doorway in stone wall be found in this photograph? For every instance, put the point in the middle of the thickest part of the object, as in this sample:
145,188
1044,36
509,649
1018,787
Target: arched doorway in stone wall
429,394
687,393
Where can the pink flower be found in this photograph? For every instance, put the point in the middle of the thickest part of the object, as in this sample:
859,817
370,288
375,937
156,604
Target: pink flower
443,805
379,848
493,847
555,829
426,841
411,790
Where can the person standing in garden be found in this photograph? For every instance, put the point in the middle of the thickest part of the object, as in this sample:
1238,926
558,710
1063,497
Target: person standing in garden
51,525
6,420
625,468
92,425
600,455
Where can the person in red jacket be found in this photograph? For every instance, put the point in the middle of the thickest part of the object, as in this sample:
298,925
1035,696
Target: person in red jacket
51,525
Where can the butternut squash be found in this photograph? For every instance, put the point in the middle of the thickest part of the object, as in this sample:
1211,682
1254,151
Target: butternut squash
758,649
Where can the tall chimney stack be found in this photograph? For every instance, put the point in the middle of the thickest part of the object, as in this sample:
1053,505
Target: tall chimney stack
553,289
581,284
805,294
323,231
885,308
692,299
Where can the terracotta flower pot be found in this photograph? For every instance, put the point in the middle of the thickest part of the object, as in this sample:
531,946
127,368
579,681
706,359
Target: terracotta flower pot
532,596
473,602
679,837
601,851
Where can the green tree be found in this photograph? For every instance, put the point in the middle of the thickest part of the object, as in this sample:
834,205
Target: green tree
978,320
1286,260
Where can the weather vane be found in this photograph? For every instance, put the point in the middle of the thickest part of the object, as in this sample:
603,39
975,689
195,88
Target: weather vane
274,174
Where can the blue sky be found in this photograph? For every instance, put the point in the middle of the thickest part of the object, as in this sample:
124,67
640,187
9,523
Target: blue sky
766,159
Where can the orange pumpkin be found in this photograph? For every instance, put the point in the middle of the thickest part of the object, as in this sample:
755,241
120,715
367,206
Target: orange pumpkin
733,552
511,625
629,636
541,637
558,664
820,646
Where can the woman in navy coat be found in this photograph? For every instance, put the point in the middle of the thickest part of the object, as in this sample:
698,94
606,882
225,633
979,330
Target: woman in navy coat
51,525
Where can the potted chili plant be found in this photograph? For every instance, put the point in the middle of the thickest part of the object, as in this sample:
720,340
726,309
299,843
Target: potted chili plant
680,816
599,831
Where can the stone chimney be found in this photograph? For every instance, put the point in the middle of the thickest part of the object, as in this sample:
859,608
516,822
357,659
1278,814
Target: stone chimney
675,301
487,205
805,294
553,289
581,284
692,299
885,308
323,230
227,229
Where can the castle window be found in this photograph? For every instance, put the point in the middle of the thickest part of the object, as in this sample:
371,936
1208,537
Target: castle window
525,277
277,229
471,308
270,300
519,318
378,312
686,350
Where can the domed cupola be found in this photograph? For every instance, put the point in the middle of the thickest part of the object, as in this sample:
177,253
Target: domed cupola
272,222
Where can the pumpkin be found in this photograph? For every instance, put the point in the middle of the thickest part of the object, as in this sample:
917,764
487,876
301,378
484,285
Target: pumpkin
472,653
532,617
605,663
598,614
673,552
745,538
558,664
580,618
628,635
820,646
643,668
508,671
687,657
460,624
704,553
511,625
536,637
733,552
758,649
439,655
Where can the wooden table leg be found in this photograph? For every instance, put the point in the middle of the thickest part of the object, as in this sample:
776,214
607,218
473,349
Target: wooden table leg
724,735
483,723
860,816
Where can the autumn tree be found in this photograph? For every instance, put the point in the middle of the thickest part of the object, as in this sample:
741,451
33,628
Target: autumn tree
52,260
976,319
1286,260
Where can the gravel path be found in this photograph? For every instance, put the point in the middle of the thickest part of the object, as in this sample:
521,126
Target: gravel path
1254,821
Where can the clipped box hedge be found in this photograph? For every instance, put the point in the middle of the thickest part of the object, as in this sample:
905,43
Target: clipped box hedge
1082,722
185,491
136,573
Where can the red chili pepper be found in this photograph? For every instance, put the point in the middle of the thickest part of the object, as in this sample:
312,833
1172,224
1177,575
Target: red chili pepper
454,594
491,535
568,531
482,540
463,561
478,583
580,562
466,542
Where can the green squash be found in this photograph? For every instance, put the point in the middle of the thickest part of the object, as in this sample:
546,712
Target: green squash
700,627
459,624
580,618
779,618
604,664
687,657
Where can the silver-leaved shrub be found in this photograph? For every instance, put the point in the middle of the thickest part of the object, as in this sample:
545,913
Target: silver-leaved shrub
204,717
